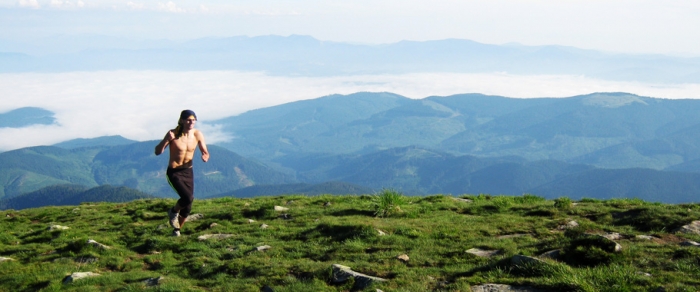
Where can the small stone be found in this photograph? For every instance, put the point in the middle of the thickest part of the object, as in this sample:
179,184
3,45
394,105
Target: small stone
58,227
693,228
568,225
689,243
246,205
552,254
251,220
194,217
645,274
327,204
263,248
404,258
644,237
264,226
462,200
285,217
522,260
153,281
213,236
213,225
343,273
79,275
2,259
482,252
280,208
503,288
381,233
289,202
612,236
97,244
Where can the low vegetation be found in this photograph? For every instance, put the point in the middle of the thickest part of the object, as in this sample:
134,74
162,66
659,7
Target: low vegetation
136,251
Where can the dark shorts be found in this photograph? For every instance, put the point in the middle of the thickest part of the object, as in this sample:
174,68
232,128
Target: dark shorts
182,181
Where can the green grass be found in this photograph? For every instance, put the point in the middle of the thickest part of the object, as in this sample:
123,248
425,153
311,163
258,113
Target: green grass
434,231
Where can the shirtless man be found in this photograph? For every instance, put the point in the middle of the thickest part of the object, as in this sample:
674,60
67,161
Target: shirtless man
183,141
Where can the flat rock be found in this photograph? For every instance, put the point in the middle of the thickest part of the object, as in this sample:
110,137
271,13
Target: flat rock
693,228
482,252
251,220
503,288
213,225
552,254
280,208
381,233
690,243
643,237
262,248
343,273
194,217
568,225
326,204
154,281
612,236
404,258
2,259
58,227
213,236
264,226
97,244
79,275
461,200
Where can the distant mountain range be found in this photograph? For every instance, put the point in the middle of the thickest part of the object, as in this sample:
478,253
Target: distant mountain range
26,116
602,145
305,56
67,195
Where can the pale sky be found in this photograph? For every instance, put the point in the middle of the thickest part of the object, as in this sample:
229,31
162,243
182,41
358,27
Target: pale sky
633,26
142,105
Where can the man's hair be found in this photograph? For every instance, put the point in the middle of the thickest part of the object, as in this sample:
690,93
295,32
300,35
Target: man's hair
186,114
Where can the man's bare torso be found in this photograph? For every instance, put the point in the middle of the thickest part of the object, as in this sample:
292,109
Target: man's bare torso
182,150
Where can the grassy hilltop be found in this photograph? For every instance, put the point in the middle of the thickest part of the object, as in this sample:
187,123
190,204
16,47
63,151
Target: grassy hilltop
435,232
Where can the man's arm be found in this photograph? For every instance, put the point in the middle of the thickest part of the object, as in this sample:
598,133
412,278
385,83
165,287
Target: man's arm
164,143
202,146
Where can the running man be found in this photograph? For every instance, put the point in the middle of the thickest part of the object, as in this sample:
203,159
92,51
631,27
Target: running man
183,140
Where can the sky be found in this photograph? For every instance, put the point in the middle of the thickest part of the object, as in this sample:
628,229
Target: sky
142,105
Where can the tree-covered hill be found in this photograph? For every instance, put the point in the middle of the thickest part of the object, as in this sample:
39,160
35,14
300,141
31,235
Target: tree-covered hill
340,188
64,195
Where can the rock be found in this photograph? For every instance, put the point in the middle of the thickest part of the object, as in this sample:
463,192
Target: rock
503,288
343,273
404,258
524,260
381,233
79,275
213,236
264,226
85,260
616,246
97,244
568,225
213,225
552,254
153,281
461,200
483,253
58,227
644,237
280,208
645,274
689,243
262,248
2,259
285,217
326,204
251,220
246,205
194,217
612,236
693,228
289,202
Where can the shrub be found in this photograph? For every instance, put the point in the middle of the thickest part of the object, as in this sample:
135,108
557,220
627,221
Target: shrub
388,202
563,203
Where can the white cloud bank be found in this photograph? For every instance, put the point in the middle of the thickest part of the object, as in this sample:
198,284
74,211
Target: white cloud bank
143,105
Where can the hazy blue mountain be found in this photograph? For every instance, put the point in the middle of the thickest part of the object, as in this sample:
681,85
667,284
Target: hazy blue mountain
333,188
98,141
611,130
297,55
132,165
65,195
26,116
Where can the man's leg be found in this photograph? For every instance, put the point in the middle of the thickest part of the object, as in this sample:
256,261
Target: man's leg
182,182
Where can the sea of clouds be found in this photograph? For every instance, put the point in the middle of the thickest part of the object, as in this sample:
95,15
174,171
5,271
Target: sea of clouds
143,105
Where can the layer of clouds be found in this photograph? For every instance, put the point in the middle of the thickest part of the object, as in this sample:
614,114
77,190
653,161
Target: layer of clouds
143,105
637,26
